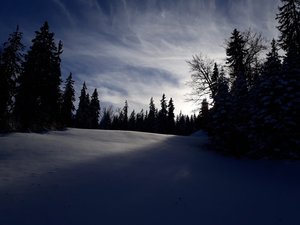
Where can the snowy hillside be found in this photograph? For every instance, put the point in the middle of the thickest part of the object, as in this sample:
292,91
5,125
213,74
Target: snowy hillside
89,177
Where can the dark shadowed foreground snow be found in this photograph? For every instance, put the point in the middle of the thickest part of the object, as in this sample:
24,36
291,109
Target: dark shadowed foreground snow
111,177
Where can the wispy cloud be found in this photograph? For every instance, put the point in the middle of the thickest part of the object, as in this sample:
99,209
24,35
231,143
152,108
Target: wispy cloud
65,11
135,50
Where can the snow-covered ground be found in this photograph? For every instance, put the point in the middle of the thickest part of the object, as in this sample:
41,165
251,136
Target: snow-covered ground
89,177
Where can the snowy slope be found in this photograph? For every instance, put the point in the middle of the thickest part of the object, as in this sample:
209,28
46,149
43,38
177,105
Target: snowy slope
114,177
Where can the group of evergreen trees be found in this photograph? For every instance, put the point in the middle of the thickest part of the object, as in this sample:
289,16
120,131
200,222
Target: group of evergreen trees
153,120
31,97
256,103
88,112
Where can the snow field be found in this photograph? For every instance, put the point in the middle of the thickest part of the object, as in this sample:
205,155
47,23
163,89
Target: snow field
118,177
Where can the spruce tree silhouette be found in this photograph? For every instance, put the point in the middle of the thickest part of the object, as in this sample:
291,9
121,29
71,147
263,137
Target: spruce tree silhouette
151,118
236,52
289,28
38,98
68,99
11,60
82,118
162,115
132,121
95,110
171,117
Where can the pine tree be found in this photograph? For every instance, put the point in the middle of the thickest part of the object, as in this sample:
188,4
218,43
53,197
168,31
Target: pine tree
236,53
214,79
94,110
181,124
151,118
140,121
220,113
289,27
204,108
171,117
124,118
116,124
83,110
68,99
188,125
267,94
273,62
10,69
162,115
38,98
132,121
106,120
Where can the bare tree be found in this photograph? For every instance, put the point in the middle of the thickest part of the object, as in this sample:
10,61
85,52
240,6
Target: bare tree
256,47
201,81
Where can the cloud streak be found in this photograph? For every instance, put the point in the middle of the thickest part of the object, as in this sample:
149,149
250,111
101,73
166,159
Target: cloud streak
65,11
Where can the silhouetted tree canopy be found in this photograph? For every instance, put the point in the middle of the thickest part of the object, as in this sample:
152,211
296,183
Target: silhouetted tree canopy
11,59
38,98
68,102
82,118
95,110
255,105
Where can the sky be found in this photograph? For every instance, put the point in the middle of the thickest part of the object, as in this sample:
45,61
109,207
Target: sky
137,49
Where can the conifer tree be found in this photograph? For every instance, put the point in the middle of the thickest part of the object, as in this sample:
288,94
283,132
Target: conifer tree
106,120
94,110
83,110
273,62
11,60
68,99
116,122
132,121
188,125
214,79
180,124
266,107
171,117
38,98
289,27
204,108
124,118
151,118
140,121
236,52
162,115
221,111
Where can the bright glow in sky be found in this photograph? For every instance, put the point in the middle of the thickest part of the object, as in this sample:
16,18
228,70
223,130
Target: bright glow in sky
135,50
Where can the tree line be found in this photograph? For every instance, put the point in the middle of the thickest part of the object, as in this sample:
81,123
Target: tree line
32,99
255,99
153,120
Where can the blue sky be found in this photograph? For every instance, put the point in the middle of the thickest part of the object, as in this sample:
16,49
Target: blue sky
137,49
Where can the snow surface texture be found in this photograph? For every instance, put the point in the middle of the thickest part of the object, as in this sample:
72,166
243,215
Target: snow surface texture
89,177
